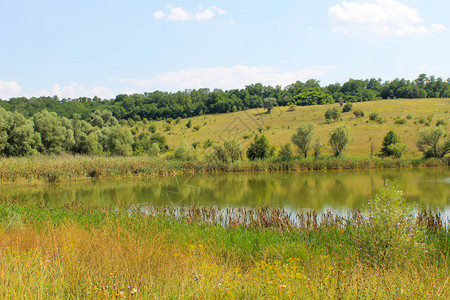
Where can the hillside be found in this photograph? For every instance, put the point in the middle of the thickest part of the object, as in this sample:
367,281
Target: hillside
281,123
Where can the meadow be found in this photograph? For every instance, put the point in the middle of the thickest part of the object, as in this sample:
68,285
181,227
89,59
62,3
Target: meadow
280,124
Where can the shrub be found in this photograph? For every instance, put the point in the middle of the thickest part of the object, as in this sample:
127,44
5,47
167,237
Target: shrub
260,148
390,236
400,121
285,152
347,107
390,138
197,127
189,124
441,122
303,138
358,113
396,150
332,113
339,139
152,128
409,117
317,148
208,143
154,150
185,153
291,107
373,116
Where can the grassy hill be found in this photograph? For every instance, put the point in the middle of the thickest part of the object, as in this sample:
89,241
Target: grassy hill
281,123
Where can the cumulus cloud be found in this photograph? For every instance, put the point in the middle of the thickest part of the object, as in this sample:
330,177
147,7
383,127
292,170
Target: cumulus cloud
226,77
76,90
178,13
9,89
381,17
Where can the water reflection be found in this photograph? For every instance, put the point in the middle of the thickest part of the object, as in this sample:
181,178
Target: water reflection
429,188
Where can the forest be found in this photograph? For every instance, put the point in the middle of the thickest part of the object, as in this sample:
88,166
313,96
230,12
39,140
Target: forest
159,105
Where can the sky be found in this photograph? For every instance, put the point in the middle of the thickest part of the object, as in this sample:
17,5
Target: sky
108,47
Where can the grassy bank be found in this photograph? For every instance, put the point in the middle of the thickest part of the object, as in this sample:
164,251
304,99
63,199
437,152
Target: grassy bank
84,252
70,168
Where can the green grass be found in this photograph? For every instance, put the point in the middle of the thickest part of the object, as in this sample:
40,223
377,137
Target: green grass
280,124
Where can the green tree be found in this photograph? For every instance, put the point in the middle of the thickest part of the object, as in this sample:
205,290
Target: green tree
431,142
332,113
269,103
340,137
285,152
389,139
119,140
259,148
53,134
303,138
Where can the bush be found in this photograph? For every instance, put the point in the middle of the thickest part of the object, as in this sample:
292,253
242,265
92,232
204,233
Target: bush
390,236
332,113
208,143
389,139
152,128
400,121
285,152
339,139
260,148
189,124
358,113
291,107
197,127
373,116
185,153
441,122
317,148
396,150
347,107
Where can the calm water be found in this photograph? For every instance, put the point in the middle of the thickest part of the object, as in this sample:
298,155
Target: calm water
429,188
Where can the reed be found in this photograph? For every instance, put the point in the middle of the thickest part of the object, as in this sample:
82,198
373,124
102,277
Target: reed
71,168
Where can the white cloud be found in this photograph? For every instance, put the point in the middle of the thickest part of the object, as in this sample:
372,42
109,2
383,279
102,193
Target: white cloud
76,90
226,77
179,14
158,15
9,89
381,17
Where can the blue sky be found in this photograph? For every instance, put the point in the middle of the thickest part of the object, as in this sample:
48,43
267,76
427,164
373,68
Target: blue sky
107,47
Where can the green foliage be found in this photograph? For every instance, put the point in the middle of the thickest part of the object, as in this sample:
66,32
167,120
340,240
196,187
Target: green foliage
231,151
441,122
358,113
303,138
189,124
197,127
152,128
260,148
431,142
285,152
396,150
340,137
347,107
291,107
313,96
400,121
119,141
317,148
390,236
332,114
389,139
208,143
55,137
269,103
185,153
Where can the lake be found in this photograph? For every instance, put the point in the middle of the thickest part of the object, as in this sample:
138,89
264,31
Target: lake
321,190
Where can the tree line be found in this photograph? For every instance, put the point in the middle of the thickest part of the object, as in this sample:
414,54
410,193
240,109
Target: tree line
159,105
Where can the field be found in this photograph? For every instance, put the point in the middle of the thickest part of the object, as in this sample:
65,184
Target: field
280,124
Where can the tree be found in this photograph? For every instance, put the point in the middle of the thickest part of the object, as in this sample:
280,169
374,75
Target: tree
285,152
389,139
431,144
303,138
339,139
119,140
53,133
269,103
260,148
347,107
332,113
